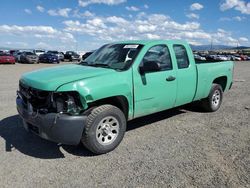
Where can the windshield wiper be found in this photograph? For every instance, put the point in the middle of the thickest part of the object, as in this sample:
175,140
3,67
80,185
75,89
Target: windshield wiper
96,65
83,63
100,65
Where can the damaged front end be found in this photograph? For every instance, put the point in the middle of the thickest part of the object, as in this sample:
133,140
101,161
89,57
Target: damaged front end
55,116
44,102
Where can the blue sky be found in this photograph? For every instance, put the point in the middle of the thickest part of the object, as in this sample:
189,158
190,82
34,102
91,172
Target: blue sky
87,24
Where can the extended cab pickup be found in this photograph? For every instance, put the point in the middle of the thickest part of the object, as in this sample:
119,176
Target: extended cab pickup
92,101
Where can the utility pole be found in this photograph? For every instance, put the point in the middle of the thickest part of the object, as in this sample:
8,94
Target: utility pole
211,45
76,42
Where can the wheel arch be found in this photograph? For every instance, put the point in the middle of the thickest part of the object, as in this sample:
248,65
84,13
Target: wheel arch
222,81
119,101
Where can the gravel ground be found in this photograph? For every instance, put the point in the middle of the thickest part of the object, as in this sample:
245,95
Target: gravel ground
182,147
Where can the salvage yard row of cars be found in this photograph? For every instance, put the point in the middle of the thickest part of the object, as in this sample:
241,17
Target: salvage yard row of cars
39,56
219,57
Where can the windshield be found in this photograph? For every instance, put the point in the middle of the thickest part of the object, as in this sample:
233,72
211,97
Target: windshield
114,56
29,53
53,52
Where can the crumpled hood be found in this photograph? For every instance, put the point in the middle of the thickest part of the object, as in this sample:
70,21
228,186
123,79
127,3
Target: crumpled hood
50,79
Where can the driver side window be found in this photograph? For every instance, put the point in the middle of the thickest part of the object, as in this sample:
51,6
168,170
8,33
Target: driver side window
159,54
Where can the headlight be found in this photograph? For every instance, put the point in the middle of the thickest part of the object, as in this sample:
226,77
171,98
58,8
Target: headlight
67,102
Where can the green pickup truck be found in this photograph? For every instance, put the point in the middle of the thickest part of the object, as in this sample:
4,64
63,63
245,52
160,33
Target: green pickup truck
92,101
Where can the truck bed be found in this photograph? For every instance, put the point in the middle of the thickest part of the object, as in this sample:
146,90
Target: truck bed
206,74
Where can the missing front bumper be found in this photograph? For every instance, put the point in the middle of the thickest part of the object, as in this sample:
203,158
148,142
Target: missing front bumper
59,128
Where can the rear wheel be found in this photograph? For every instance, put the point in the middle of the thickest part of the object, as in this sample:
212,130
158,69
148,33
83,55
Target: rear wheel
104,130
213,101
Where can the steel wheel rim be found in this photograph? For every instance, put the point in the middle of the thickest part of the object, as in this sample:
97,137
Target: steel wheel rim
216,98
107,130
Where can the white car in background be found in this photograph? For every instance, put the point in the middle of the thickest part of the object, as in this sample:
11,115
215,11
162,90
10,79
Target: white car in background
221,58
38,52
235,58
198,57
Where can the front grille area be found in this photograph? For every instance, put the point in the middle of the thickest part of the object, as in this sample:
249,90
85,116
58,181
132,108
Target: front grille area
37,98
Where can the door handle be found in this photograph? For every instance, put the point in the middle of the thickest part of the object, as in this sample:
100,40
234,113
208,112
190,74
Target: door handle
170,78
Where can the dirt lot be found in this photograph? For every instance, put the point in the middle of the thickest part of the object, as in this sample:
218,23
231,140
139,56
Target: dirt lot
176,148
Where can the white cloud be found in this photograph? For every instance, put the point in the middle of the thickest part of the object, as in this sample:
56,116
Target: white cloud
239,5
196,6
146,6
238,18
132,8
85,14
40,8
154,26
64,12
88,14
152,36
43,45
235,18
193,16
117,20
243,39
84,3
39,32
147,26
16,44
28,11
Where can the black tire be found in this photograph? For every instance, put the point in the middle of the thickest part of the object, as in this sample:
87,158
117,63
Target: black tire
213,102
96,120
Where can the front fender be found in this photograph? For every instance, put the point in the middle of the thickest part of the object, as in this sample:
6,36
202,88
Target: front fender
101,87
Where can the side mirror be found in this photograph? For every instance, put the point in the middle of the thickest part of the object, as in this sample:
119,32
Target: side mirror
149,66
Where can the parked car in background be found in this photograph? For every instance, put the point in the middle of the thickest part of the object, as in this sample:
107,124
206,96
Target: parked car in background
13,51
38,52
17,56
221,58
87,54
72,56
7,58
211,58
48,58
28,57
243,57
60,55
199,58
235,58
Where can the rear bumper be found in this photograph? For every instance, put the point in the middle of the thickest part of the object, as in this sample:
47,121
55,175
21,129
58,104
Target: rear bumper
61,128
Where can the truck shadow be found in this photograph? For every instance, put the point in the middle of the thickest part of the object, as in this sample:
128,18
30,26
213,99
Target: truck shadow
16,138
153,118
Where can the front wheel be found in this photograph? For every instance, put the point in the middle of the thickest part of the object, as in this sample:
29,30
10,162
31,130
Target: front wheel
213,101
104,130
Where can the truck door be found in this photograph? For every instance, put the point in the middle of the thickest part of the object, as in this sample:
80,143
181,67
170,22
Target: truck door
155,91
186,74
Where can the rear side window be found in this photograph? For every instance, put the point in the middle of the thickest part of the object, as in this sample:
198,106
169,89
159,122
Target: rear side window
181,56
